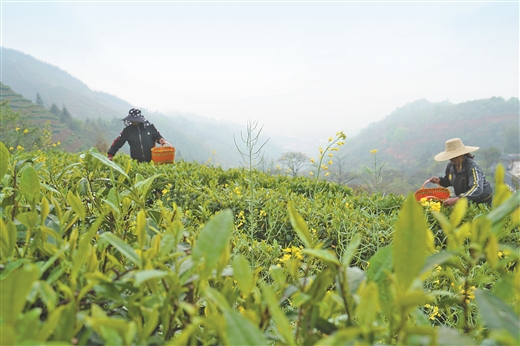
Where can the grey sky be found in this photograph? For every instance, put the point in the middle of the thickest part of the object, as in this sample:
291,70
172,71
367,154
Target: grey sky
296,67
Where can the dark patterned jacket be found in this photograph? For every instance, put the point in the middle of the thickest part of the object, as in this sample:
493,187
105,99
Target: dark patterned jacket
469,182
141,140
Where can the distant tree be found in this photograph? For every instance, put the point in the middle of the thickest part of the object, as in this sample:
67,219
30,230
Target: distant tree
65,115
39,100
511,138
487,159
55,110
101,144
294,161
339,172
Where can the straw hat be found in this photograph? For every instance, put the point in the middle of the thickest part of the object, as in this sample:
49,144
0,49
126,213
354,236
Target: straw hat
454,148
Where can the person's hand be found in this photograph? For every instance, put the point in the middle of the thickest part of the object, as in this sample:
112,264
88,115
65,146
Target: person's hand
162,141
435,180
450,202
110,157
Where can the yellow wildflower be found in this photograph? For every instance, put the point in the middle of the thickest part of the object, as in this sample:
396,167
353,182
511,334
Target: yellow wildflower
312,160
330,162
311,173
17,129
330,139
25,131
11,148
327,174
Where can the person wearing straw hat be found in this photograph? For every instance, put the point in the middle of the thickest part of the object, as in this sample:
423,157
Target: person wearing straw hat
140,134
463,173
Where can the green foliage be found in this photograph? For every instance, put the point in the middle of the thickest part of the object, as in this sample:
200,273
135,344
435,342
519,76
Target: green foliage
118,252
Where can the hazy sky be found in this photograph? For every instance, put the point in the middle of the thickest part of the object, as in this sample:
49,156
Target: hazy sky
307,66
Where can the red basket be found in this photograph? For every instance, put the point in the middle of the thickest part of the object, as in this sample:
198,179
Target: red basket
163,155
436,193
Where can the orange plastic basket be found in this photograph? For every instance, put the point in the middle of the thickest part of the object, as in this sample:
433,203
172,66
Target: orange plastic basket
163,155
436,193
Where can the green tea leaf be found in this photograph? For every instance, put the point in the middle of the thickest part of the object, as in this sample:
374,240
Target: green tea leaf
48,296
125,249
214,238
459,210
243,274
327,256
14,289
76,205
380,264
105,161
50,325
410,247
167,244
299,226
28,219
368,308
450,336
140,229
29,325
240,331
351,250
7,239
30,185
281,322
498,215
491,250
497,314
4,160
437,259
145,275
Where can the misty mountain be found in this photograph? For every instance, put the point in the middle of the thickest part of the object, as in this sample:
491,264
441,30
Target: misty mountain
195,138
406,140
411,136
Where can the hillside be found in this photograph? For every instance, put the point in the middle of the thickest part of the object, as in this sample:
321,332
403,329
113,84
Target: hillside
409,138
37,116
196,139
29,76
406,139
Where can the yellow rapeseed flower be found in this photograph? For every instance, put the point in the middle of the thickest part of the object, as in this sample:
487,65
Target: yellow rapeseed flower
11,148
327,174
373,151
17,129
311,173
330,162
312,160
25,131
19,147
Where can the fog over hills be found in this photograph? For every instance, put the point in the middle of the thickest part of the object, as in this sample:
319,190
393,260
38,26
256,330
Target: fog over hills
407,138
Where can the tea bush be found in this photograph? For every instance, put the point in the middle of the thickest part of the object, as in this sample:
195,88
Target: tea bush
98,252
